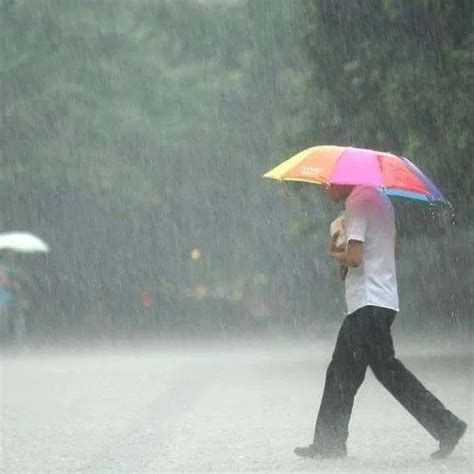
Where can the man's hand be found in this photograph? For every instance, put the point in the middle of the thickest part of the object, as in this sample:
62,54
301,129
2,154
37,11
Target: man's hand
351,256
332,248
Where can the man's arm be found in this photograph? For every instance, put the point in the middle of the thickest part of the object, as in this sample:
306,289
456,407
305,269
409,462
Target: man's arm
351,256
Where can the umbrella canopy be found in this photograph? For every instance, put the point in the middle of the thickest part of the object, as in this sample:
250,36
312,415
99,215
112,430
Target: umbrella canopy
22,242
327,165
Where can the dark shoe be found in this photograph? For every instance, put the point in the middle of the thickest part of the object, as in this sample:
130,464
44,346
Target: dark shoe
306,452
449,442
312,452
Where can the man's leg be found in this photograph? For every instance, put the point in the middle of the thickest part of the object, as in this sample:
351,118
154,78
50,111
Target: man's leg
403,385
344,376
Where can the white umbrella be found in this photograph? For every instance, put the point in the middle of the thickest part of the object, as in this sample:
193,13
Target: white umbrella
22,242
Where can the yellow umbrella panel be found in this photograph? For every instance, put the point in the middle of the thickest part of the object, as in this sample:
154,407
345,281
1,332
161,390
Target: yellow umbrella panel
313,165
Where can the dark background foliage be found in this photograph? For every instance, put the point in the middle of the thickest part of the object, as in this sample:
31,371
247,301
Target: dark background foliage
132,133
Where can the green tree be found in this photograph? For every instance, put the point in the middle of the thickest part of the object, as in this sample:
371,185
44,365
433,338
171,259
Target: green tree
396,75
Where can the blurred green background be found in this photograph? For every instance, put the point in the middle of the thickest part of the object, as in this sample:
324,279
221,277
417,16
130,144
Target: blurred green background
133,137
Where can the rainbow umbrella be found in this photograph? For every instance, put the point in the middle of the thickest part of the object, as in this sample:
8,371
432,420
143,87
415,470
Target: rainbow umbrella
326,165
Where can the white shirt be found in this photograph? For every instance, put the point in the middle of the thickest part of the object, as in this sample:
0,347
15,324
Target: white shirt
370,219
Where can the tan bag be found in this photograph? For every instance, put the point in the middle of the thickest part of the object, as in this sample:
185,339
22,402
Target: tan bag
337,232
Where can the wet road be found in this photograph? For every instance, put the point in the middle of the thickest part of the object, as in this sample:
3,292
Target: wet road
212,409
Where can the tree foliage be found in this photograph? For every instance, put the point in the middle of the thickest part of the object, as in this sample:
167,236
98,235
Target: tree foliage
132,133
397,75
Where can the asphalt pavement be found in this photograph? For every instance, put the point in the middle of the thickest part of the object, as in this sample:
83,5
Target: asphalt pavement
226,408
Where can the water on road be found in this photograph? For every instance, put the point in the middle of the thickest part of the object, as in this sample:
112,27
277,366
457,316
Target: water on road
219,409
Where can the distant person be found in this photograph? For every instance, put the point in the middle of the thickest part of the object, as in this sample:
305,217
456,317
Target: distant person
12,301
5,301
368,267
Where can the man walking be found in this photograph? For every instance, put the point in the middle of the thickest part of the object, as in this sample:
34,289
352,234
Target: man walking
368,268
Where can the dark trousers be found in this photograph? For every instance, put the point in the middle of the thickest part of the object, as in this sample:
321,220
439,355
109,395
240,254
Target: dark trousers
365,340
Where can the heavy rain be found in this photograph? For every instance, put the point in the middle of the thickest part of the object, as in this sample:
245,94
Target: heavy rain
163,307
